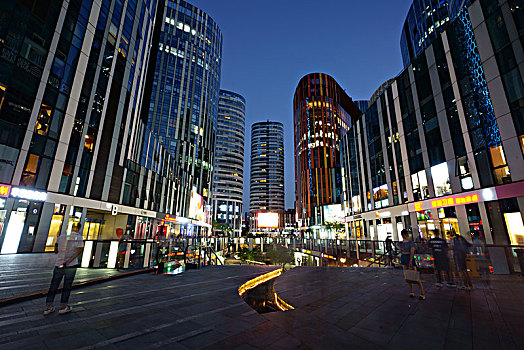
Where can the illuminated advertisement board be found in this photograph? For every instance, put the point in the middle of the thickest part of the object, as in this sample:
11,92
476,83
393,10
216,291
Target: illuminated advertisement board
4,190
196,207
267,220
333,213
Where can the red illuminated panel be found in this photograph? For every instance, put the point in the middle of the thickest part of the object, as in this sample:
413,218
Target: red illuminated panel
4,190
449,201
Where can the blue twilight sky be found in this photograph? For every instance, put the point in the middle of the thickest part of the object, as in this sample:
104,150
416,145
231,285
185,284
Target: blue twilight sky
269,45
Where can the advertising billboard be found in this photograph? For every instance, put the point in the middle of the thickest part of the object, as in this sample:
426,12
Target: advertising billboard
267,220
196,207
333,213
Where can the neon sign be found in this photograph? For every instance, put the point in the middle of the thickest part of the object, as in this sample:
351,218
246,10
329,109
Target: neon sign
4,190
449,201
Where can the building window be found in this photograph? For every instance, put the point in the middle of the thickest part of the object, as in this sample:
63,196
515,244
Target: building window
420,185
462,171
500,168
440,176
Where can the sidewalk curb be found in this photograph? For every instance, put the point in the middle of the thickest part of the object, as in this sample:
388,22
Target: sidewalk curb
76,285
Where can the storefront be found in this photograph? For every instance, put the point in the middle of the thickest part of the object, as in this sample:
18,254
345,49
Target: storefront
493,215
20,218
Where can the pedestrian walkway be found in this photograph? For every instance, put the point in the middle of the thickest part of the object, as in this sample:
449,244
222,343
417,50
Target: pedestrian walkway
366,308
23,274
334,308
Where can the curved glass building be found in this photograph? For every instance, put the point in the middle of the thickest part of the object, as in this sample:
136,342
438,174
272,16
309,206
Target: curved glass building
425,19
228,174
323,112
267,167
184,98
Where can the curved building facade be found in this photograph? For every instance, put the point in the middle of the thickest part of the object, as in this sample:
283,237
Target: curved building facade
267,167
228,172
183,104
424,21
323,112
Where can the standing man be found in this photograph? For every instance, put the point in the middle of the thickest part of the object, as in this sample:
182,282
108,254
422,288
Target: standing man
68,247
439,248
461,248
389,250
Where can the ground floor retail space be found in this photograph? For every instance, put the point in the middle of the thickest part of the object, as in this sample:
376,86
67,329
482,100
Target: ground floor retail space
31,221
493,215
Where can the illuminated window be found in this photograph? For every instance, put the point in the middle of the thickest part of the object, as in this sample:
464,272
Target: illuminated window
43,120
30,170
440,176
500,168
420,185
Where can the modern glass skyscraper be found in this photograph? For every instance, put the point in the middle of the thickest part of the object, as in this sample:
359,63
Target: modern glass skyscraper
323,112
71,84
424,21
183,104
228,171
267,167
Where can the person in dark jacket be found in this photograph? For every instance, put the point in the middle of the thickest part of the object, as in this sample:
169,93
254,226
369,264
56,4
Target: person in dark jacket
439,249
461,249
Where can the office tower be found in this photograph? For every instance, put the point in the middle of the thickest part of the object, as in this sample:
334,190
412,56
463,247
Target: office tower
441,145
71,81
181,110
228,171
323,112
425,20
267,167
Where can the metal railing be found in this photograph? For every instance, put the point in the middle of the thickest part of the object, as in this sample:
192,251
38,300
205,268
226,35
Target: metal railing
497,259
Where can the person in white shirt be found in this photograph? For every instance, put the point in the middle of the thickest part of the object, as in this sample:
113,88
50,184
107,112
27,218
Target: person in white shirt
68,247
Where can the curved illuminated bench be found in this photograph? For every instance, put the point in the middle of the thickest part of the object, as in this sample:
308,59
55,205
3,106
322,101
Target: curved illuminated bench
281,304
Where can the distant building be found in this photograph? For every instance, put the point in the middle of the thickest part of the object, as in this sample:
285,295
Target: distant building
228,172
323,113
267,167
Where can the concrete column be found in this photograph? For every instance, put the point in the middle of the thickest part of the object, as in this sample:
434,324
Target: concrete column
485,223
463,223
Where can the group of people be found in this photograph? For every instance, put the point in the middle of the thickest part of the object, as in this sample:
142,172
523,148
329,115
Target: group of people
448,258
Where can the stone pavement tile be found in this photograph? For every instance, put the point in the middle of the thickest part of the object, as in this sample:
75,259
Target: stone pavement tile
378,337
262,340
328,337
74,341
203,340
455,345
142,342
34,342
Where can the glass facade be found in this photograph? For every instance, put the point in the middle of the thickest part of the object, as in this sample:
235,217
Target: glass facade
267,167
228,174
183,105
323,113
70,126
440,146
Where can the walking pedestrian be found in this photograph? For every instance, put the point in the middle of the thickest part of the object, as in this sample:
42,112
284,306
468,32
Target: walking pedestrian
389,250
461,248
407,251
439,248
122,248
68,247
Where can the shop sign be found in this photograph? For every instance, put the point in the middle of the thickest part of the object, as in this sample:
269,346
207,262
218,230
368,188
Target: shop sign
169,218
4,190
2,203
30,195
446,201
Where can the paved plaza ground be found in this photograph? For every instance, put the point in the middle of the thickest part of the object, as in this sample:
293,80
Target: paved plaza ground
335,308
29,273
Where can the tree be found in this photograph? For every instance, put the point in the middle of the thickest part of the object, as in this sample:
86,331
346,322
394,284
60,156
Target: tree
336,227
280,255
